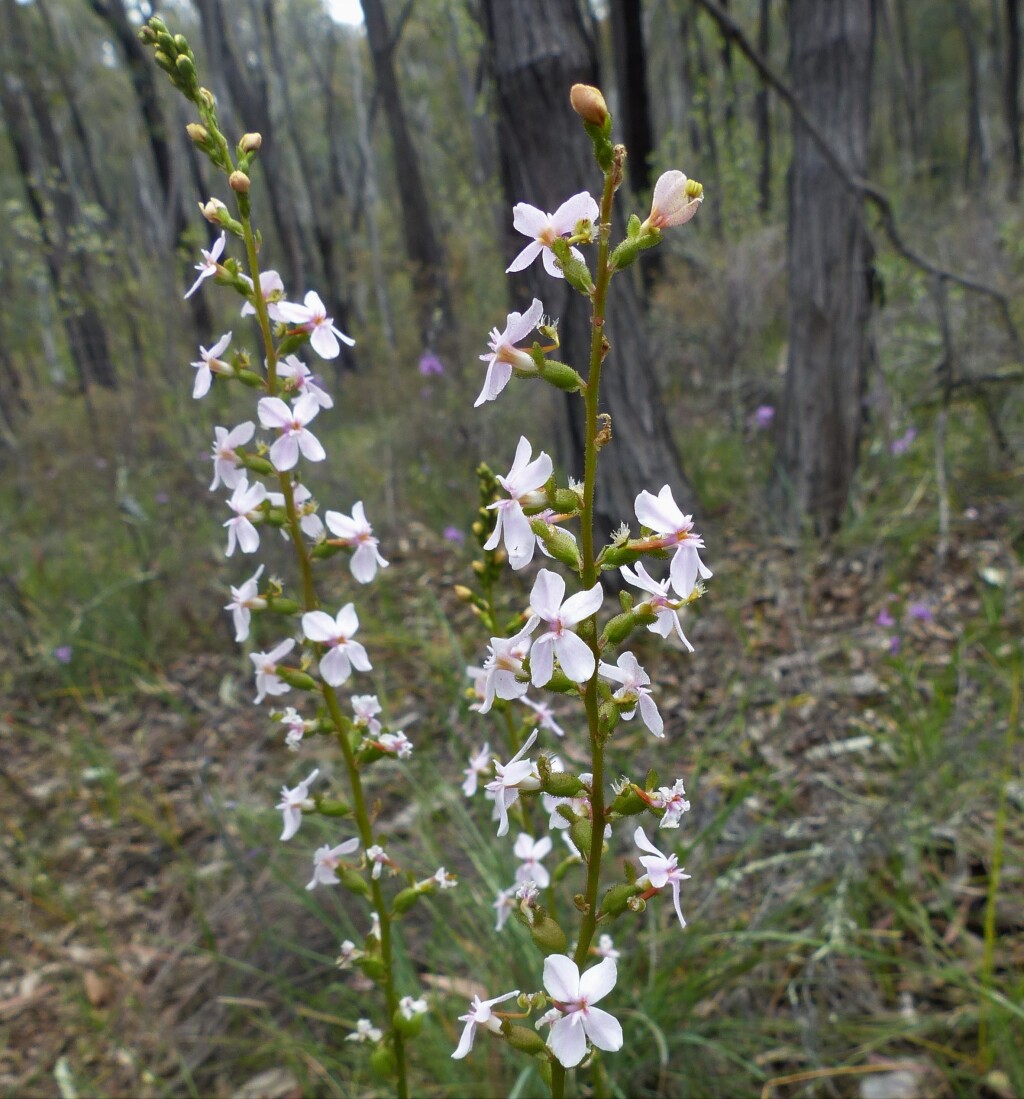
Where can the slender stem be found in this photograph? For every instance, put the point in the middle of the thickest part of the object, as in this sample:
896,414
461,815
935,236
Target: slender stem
590,572
330,696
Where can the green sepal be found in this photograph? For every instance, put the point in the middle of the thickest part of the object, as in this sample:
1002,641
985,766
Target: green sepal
611,557
562,376
565,500
608,715
547,934
404,900
523,1038
627,250
580,832
617,898
297,679
600,138
652,780
354,882
626,601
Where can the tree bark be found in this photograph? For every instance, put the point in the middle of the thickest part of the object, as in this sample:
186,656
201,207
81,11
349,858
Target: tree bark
762,115
539,50
976,155
829,263
634,115
1012,95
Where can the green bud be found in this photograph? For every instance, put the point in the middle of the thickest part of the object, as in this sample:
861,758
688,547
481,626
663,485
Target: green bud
548,936
186,70
382,1063
166,43
404,901
157,25
524,1039
167,64
580,832
616,900
294,678
562,376
626,601
354,882
181,44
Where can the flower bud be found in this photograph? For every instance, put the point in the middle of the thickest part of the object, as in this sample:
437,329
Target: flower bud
239,182
548,936
354,882
294,678
404,900
331,807
211,210
559,543
197,133
524,1039
250,142
588,102
186,70
463,593
562,376
207,97
181,44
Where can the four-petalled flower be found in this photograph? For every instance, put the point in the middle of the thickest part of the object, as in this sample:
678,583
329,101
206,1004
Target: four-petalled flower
504,355
574,996
543,228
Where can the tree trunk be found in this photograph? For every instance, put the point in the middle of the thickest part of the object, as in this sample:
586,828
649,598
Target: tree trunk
976,155
539,50
762,115
829,262
634,116
1012,95
422,241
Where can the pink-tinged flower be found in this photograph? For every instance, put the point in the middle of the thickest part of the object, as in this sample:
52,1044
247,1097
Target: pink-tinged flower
343,654
244,600
365,1032
574,996
671,204
885,618
396,744
225,461
529,852
479,1014
606,948
430,366
291,423
661,514
355,530
636,689
268,682
209,265
504,906
546,716
209,364
443,880
410,1008
504,665
479,762
574,655
296,726
272,289
302,380
673,800
305,507
661,869
543,228
312,316
379,857
326,861
365,708
348,954
292,803
244,501
665,609
523,484
504,355
509,778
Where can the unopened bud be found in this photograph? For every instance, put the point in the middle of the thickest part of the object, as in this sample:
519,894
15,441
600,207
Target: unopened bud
250,142
207,97
588,102
463,593
239,182
197,133
211,210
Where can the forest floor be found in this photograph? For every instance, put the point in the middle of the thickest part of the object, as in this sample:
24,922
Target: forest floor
845,789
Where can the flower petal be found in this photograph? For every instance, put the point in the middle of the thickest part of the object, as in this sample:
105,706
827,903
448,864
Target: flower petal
567,1040
603,1029
598,981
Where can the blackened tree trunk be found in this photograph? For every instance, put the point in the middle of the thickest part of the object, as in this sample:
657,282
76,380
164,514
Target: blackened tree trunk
829,262
976,155
762,114
540,48
634,117
422,241
1012,94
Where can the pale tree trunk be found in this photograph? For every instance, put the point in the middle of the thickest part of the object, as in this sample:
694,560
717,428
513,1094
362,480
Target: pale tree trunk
829,262
539,50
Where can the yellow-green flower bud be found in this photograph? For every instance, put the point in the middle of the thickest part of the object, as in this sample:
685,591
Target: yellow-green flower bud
373,967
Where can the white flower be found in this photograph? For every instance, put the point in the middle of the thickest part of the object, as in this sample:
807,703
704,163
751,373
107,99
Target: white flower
312,316
543,228
479,761
671,204
364,1032
326,861
503,906
209,263
293,437
504,355
479,1014
305,508
293,802
296,726
343,654
379,857
661,869
225,462
208,364
635,688
672,799
374,932
365,707
244,501
397,744
545,714
410,1007
530,852
661,514
665,609
443,880
272,289
574,996
522,483
574,654
509,778
303,380
244,600
348,954
503,666
267,680
356,530
606,948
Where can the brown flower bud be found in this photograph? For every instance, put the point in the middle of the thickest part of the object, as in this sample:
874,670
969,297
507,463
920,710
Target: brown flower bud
250,142
210,210
588,102
239,181
197,133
